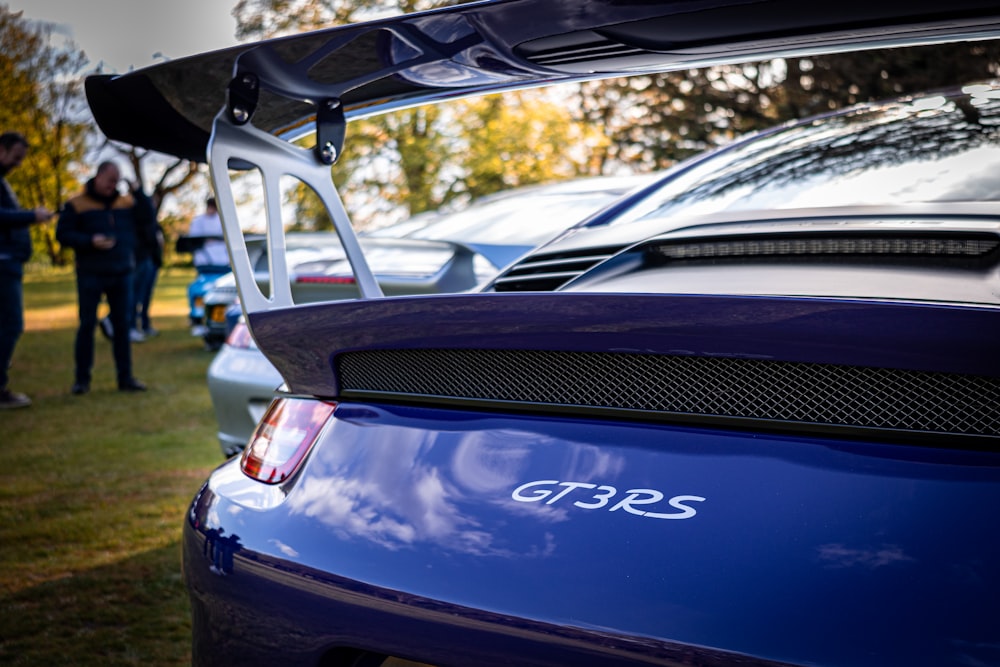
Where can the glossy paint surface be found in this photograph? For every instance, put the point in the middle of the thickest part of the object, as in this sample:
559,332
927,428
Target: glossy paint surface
801,551
302,342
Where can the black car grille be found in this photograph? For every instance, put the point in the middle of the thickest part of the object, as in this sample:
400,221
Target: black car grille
708,387
546,272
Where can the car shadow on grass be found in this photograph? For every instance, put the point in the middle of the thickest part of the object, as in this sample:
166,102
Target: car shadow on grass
131,612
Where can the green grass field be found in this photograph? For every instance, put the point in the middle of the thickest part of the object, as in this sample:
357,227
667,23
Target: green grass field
96,486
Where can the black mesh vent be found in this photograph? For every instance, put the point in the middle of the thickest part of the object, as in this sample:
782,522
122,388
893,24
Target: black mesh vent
750,389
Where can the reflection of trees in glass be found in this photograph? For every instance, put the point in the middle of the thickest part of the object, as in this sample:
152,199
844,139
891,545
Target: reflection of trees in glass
893,135
678,114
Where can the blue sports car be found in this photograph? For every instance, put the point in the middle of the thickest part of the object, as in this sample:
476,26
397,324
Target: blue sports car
733,435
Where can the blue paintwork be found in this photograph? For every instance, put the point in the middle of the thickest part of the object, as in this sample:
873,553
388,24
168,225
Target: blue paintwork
896,335
803,551
198,288
401,534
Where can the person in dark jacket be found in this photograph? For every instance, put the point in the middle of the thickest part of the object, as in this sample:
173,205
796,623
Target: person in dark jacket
148,260
15,250
103,227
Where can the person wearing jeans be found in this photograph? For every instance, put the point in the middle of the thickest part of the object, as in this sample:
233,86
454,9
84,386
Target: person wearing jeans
15,250
148,258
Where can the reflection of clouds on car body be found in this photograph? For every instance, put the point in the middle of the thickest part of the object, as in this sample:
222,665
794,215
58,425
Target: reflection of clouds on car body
395,501
729,418
285,549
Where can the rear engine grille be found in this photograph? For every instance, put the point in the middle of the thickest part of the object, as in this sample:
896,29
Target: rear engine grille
547,272
785,392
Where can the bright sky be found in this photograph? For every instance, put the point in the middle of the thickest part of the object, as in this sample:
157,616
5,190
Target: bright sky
127,33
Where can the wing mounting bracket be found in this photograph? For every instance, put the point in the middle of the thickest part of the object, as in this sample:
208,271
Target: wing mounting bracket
331,127
235,146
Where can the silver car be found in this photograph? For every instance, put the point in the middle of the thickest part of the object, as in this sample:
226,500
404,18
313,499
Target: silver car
450,253
319,272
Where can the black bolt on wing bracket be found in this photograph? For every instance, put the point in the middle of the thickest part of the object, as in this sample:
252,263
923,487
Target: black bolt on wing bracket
237,144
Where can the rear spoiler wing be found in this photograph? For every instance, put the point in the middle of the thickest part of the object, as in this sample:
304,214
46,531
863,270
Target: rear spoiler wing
241,107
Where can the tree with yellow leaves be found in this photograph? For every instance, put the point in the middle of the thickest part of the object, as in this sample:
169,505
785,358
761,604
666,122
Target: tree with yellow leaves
43,100
420,159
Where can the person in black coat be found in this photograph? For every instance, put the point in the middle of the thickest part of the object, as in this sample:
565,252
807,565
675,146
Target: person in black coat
15,250
103,227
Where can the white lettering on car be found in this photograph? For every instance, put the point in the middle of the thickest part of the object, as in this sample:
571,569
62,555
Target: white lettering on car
592,496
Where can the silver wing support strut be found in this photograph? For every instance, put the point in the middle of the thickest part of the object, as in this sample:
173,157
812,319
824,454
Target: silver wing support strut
241,146
236,143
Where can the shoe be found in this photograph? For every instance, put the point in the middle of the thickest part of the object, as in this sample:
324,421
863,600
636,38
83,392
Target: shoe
199,330
150,332
136,336
80,388
106,328
12,399
131,385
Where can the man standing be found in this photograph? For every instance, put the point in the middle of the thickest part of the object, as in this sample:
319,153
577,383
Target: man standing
103,228
15,250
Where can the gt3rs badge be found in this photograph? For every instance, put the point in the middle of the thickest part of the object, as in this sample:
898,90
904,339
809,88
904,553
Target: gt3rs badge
593,497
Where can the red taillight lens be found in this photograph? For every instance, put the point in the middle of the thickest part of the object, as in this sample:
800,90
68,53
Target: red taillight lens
283,438
326,280
240,337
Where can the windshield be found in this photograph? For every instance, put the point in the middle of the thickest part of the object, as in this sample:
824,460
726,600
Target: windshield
932,149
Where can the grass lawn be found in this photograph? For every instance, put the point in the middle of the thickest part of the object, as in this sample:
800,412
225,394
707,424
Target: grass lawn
96,488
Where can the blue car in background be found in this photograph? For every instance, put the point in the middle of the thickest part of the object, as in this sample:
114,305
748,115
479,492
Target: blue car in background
693,433
206,277
196,292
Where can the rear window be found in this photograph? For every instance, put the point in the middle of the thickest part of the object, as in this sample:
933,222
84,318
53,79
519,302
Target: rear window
934,149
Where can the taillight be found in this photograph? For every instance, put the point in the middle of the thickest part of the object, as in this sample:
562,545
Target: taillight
326,280
240,337
283,438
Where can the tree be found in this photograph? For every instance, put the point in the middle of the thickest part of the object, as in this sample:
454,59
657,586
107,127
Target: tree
676,114
423,158
43,99
522,138
414,160
169,177
261,19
